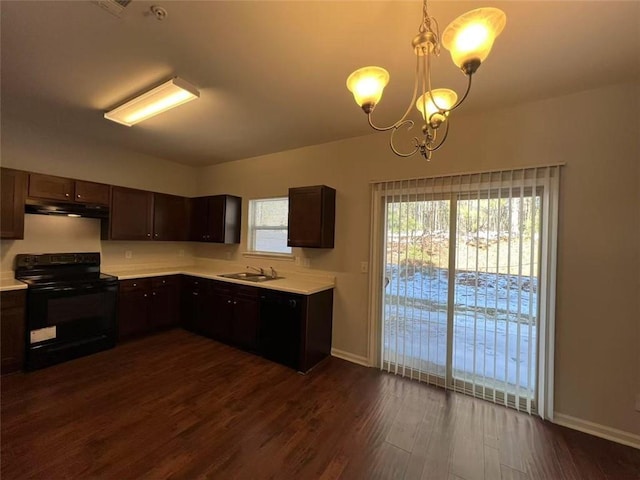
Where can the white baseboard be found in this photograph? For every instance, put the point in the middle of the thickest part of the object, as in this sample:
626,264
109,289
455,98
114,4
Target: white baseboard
602,431
350,357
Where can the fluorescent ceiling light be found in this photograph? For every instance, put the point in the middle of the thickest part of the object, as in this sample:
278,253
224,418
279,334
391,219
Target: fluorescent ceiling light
157,100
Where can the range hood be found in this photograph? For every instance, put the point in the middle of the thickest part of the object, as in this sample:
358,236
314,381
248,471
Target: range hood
48,207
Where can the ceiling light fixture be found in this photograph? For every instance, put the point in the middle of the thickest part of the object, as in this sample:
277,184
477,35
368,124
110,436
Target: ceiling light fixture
157,100
469,38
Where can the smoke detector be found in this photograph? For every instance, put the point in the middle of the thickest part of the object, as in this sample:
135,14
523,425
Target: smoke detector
159,12
114,7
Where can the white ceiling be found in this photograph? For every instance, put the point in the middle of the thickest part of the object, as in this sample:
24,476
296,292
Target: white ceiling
272,74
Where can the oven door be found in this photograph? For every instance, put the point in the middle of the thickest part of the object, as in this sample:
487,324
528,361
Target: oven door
69,321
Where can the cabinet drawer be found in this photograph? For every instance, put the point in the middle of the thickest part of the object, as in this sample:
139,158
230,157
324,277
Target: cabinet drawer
168,281
12,299
247,292
135,285
193,283
222,288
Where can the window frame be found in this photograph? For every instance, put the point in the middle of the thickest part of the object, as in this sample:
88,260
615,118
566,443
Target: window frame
252,228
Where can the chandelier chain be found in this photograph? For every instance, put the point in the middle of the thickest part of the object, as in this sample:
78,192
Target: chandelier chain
425,26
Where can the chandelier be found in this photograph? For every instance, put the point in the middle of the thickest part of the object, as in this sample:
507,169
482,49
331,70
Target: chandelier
469,38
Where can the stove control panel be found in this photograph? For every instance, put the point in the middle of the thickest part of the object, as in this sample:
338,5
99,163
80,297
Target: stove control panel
50,259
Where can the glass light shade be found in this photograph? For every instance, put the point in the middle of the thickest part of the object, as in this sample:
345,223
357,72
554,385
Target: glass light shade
471,35
157,100
367,84
444,100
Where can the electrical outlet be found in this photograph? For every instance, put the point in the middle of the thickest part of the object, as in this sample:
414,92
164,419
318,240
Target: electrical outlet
364,267
128,254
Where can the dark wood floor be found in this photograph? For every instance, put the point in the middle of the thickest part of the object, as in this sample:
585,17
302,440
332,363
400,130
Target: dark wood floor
179,406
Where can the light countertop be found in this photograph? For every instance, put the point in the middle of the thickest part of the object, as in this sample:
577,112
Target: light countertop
290,282
8,284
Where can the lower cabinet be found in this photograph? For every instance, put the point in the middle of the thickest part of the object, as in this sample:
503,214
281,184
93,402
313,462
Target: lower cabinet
223,311
288,328
295,330
12,330
148,304
197,308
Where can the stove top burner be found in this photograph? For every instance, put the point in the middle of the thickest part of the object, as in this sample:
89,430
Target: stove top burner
76,280
61,270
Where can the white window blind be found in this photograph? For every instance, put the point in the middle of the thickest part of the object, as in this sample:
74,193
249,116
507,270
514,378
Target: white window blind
268,224
467,276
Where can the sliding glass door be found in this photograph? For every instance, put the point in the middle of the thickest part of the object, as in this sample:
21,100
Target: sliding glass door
462,265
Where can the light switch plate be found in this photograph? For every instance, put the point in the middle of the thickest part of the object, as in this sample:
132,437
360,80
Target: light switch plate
364,267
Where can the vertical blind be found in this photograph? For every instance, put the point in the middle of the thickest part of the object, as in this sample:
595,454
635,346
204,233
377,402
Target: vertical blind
467,279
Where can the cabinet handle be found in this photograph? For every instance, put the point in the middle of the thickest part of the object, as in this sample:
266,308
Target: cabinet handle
194,293
235,303
154,294
145,295
135,284
148,234
79,196
155,235
66,195
164,281
228,301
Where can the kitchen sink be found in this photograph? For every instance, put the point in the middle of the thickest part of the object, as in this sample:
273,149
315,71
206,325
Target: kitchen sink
249,277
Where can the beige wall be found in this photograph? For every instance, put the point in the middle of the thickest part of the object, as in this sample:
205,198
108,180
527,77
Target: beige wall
26,147
595,133
598,315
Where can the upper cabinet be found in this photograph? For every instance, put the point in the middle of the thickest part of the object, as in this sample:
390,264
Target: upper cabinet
131,215
14,192
170,217
312,217
91,192
142,215
216,219
66,189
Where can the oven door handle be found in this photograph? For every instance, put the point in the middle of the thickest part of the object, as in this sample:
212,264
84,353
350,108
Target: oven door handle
73,289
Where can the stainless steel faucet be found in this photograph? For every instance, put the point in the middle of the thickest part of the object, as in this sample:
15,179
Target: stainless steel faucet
260,270
274,274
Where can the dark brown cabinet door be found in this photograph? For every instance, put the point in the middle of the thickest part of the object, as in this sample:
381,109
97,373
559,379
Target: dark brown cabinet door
231,221
196,304
199,218
12,331
50,187
131,216
91,192
133,308
170,217
165,302
219,325
216,219
13,190
311,217
246,322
